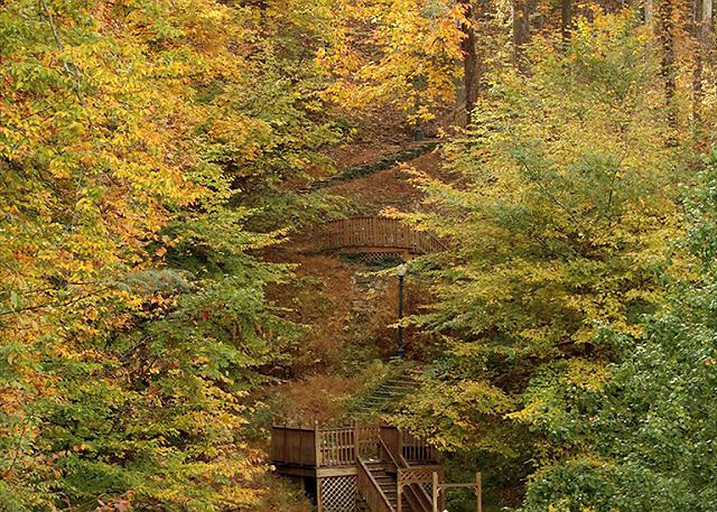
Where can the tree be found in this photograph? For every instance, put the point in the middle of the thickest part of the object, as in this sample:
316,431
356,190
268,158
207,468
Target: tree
470,58
658,411
563,195
133,317
666,22
400,53
521,31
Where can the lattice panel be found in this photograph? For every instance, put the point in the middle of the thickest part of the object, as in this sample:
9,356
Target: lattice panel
338,494
418,475
378,256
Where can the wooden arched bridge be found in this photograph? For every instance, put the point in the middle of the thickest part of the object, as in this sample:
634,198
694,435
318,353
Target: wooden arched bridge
375,236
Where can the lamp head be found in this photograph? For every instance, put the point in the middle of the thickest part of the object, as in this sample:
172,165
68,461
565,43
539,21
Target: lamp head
401,270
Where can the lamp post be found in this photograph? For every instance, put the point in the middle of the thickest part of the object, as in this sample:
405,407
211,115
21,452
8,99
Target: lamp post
401,273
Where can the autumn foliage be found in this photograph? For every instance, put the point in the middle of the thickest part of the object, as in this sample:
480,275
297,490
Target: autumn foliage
132,312
153,155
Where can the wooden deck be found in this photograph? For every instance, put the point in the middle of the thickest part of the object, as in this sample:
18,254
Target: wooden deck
336,462
315,447
314,451
375,235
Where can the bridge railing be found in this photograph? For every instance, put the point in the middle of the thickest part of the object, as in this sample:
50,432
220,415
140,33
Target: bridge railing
375,233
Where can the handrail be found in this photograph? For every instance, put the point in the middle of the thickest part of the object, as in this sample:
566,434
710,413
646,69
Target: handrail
426,502
388,452
374,495
416,493
376,233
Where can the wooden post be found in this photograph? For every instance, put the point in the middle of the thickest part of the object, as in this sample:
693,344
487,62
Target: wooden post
357,447
435,492
399,493
319,504
283,450
301,452
317,445
479,492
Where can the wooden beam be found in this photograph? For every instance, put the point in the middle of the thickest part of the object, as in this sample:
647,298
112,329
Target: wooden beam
319,501
435,492
317,444
329,471
479,492
295,471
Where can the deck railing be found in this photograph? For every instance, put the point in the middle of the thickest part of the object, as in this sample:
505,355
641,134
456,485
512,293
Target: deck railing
337,447
375,233
416,450
294,446
328,447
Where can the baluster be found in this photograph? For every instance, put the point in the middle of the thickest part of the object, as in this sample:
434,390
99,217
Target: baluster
342,447
347,447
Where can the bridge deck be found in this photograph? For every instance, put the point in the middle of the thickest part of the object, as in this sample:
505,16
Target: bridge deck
375,235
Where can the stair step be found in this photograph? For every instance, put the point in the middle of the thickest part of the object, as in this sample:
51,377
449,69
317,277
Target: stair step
405,383
391,392
396,389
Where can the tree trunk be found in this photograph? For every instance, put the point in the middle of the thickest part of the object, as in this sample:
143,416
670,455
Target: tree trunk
470,59
649,11
666,36
566,19
697,92
702,28
521,33
706,18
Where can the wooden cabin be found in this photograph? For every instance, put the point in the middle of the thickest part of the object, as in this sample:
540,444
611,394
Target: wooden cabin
358,468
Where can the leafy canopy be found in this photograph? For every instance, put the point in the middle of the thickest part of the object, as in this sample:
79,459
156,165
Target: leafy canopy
562,197
134,157
658,412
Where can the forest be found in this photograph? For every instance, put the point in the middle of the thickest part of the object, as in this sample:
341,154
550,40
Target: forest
430,241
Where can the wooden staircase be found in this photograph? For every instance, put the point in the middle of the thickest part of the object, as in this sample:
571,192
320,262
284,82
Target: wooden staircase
389,395
386,482
390,483
378,492
372,468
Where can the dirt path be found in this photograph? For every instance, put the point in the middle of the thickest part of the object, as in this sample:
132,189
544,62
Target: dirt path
348,313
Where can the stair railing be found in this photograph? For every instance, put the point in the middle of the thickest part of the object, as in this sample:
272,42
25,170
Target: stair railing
368,487
415,493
